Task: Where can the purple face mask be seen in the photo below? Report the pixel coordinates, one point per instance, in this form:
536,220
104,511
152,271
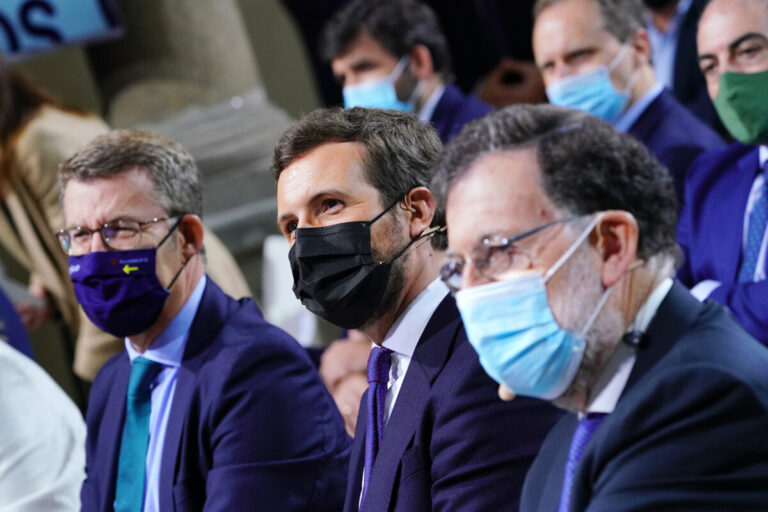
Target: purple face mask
119,290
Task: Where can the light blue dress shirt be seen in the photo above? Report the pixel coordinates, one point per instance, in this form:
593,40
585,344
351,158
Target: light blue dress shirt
627,118
167,349
664,44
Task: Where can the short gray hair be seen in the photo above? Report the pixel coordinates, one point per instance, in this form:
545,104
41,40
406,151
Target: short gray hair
586,166
171,168
622,18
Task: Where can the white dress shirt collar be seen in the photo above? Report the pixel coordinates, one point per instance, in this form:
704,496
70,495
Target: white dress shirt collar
404,334
763,156
614,377
168,348
426,112
629,117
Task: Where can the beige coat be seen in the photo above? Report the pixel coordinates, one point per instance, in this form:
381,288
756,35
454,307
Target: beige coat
32,215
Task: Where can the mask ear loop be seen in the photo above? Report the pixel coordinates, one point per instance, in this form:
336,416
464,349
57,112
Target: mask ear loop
615,62
567,254
173,228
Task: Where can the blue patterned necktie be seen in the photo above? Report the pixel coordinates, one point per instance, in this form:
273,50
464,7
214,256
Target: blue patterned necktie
758,221
379,362
131,466
584,431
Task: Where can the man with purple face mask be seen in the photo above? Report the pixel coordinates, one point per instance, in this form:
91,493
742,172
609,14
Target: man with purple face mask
209,406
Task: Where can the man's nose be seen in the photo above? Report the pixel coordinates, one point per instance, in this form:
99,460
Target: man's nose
97,242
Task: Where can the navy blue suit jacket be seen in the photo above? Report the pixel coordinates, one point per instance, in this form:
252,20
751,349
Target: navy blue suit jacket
450,444
454,110
251,426
711,228
688,432
674,136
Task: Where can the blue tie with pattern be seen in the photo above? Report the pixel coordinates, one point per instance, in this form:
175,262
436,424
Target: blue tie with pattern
758,221
131,466
584,430
379,362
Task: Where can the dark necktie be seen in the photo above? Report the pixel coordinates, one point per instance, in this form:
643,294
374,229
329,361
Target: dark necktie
131,466
379,362
584,430
758,221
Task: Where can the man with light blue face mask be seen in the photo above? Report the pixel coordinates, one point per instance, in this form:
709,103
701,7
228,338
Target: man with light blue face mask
392,54
561,252
594,55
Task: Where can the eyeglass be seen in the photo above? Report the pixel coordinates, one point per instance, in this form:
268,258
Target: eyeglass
119,235
492,257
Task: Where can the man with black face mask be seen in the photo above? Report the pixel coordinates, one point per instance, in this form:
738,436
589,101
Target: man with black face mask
209,406
367,244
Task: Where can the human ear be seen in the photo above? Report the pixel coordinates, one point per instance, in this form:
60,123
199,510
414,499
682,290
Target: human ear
191,229
421,206
642,46
421,63
615,238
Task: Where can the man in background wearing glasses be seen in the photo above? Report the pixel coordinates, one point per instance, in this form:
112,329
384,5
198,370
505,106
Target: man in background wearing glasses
562,245
209,406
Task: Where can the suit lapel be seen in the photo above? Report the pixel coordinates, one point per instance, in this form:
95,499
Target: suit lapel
357,459
431,354
208,321
729,201
673,319
112,429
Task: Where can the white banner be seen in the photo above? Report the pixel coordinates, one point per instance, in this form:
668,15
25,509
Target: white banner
34,26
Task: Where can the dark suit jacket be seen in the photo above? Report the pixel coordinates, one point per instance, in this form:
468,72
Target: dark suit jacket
688,85
450,444
454,110
674,136
688,432
251,426
711,228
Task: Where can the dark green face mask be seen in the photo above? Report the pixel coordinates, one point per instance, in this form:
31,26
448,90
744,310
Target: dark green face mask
742,104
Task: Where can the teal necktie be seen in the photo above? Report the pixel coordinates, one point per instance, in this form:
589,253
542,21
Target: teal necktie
131,466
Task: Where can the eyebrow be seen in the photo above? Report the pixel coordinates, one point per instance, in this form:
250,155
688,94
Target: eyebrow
328,192
735,44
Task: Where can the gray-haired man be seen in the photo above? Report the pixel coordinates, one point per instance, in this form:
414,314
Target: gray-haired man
562,244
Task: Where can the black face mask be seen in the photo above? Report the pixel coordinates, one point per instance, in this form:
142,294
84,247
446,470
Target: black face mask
335,275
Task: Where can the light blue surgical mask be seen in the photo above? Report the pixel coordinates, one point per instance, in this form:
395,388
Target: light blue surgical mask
518,341
380,93
593,92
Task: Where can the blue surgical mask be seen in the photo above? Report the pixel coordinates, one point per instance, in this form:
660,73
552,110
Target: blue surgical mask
379,93
518,341
593,92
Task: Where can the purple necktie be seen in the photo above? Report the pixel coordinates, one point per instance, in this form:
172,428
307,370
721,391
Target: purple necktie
584,430
379,362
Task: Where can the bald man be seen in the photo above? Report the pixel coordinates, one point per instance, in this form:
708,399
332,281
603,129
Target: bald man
722,230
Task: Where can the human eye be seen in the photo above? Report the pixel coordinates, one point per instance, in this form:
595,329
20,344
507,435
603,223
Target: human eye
79,233
331,206
750,51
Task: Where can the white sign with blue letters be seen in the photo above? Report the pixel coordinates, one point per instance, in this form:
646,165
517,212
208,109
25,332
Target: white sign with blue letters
34,26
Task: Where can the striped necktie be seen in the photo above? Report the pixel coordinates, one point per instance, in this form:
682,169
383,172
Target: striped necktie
131,466
584,431
379,362
758,221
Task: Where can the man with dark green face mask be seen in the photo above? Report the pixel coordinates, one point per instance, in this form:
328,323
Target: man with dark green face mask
723,229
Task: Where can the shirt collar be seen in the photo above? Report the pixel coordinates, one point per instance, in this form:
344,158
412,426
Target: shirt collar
404,334
168,348
683,6
614,377
763,156
627,118
426,112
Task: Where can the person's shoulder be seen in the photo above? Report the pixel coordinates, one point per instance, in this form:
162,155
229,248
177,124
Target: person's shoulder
715,164
679,126
247,342
54,129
